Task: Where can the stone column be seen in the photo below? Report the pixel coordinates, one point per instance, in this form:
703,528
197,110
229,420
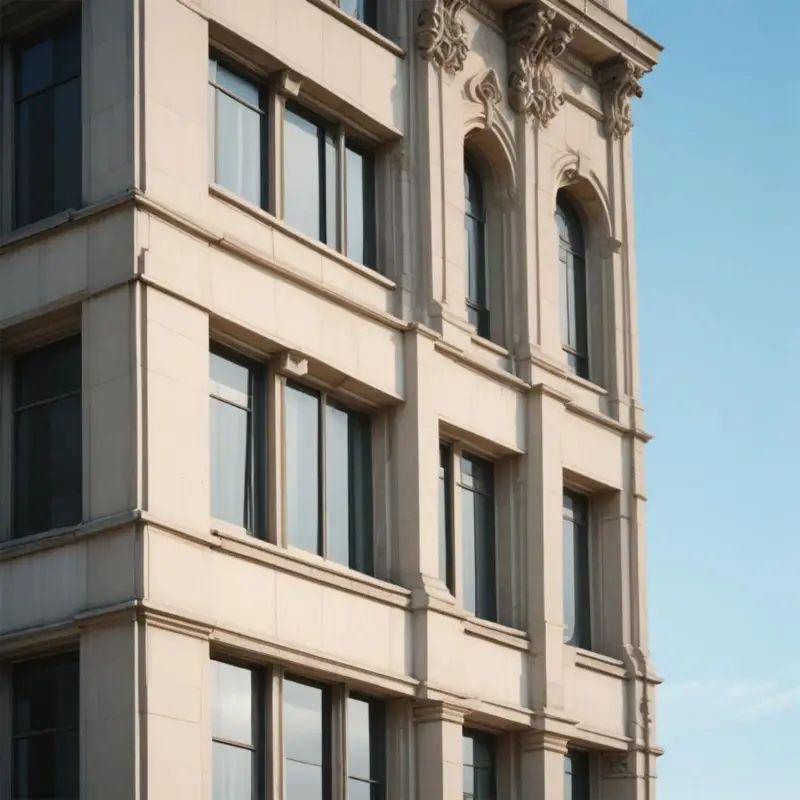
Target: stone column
439,767
542,767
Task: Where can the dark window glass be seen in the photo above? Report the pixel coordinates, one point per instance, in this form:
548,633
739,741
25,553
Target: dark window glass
475,229
235,448
576,776
572,276
445,517
479,766
577,628
365,749
306,715
45,743
47,438
48,133
238,134
313,178
235,728
336,467
477,537
365,10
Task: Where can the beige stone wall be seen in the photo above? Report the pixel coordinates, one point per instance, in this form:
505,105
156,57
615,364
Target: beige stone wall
159,261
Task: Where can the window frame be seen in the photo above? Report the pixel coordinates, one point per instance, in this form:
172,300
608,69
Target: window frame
478,306
582,563
343,141
584,759
489,741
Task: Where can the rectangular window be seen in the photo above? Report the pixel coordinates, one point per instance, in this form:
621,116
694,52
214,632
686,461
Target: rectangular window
328,475
477,537
479,765
236,729
364,10
446,517
306,737
45,728
576,776
47,438
321,165
48,143
238,134
237,440
577,617
366,750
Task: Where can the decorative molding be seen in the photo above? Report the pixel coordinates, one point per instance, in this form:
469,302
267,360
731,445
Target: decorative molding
619,80
442,36
533,741
537,35
484,89
287,84
439,711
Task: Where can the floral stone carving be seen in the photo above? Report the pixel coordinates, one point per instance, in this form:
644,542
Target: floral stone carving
484,88
536,37
620,82
442,36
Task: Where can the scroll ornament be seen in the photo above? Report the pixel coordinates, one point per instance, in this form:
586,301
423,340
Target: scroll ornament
484,89
442,36
535,42
620,82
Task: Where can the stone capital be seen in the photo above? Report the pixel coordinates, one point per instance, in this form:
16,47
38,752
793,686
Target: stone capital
537,35
442,36
543,740
619,80
439,711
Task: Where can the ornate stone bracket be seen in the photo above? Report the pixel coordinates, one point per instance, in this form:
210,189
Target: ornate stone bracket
619,80
484,88
537,35
442,36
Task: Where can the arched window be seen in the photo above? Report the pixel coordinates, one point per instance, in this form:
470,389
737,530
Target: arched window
475,228
572,278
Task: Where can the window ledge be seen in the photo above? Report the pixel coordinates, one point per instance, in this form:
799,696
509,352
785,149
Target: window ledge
495,632
329,8
597,662
586,384
488,344
215,190
308,565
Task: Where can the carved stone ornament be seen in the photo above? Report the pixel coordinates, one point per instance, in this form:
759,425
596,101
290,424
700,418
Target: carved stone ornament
537,36
620,82
484,88
442,36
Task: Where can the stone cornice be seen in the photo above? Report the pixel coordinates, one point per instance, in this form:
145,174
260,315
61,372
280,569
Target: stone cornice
536,35
442,36
619,81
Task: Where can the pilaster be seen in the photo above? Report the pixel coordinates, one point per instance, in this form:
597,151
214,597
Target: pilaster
542,765
439,767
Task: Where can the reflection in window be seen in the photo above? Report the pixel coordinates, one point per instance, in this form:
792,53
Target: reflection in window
47,119
477,537
576,776
364,10
479,765
314,180
446,517
572,279
47,438
328,479
45,728
234,729
234,449
306,712
576,571
475,230
237,134
365,749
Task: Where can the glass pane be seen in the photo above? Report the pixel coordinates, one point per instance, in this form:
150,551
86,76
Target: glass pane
48,372
331,193
67,170
569,582
360,207
468,779
468,555
47,766
35,68
233,772
302,722
34,158
241,87
231,464
46,695
362,790
563,280
485,597
444,516
359,764
232,702
337,489
302,469
67,52
238,139
483,753
303,781
230,380
360,446
483,785
301,190
467,750
47,466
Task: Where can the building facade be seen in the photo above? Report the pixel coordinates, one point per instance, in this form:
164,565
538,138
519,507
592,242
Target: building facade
321,449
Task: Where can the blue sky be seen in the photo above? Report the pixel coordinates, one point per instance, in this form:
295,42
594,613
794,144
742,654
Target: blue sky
717,193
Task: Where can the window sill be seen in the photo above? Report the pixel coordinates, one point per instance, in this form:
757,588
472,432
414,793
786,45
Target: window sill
264,216
329,8
488,344
585,383
308,565
495,632
597,662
